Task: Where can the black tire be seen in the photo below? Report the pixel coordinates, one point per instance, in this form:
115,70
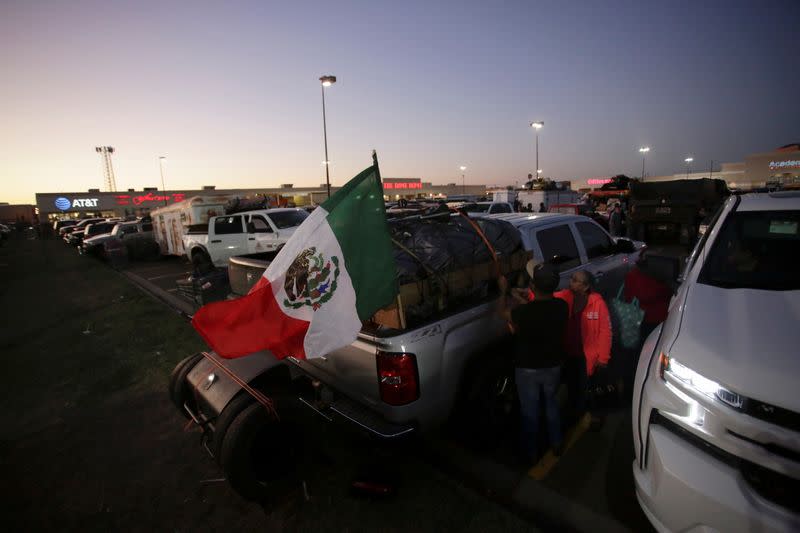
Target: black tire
202,263
179,389
229,413
489,407
257,452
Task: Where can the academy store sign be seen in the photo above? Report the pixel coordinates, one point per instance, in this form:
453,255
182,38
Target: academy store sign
65,204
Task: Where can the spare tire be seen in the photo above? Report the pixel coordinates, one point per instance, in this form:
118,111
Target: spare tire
258,451
179,389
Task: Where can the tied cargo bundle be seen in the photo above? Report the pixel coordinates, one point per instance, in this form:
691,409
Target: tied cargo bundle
425,298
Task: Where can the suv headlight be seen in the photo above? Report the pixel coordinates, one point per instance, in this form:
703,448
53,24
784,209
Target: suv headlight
684,376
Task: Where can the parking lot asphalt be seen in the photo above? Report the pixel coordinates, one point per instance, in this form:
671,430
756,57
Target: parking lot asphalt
90,440
591,485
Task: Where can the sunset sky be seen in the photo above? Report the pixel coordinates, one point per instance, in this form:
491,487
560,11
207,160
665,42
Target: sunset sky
229,91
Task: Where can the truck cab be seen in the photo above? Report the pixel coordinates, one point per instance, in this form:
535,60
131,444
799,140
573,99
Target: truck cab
249,232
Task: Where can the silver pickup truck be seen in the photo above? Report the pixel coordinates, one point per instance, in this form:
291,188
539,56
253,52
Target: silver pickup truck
389,382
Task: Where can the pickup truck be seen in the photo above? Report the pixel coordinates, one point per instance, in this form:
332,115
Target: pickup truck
391,382
126,232
248,232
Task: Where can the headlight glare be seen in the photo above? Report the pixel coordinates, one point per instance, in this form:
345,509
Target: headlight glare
690,379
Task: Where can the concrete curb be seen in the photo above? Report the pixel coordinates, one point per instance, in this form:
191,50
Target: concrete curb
516,490
178,304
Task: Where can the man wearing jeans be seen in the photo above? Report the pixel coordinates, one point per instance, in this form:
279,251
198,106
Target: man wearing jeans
540,329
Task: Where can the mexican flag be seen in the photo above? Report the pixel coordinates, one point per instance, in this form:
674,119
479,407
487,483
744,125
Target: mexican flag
335,271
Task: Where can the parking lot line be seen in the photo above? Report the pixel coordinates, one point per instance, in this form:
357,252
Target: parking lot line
171,275
549,460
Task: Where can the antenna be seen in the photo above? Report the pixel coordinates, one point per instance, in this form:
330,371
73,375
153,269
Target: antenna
108,170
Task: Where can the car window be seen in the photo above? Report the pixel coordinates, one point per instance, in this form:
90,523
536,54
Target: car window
595,240
128,229
501,208
755,250
260,225
228,225
288,219
701,243
558,247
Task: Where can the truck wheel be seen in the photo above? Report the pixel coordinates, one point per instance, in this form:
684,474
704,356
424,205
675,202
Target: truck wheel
229,413
202,263
490,404
257,452
179,389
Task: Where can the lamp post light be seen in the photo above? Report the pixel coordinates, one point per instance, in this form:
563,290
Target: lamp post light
643,150
688,161
161,159
537,125
463,180
326,81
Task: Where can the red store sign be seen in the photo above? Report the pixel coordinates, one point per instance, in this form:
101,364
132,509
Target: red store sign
402,185
127,199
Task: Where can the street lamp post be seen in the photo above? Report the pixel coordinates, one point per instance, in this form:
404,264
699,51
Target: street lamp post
688,161
463,180
326,81
539,124
161,159
643,150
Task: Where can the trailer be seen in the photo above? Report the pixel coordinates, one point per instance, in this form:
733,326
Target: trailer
171,222
550,197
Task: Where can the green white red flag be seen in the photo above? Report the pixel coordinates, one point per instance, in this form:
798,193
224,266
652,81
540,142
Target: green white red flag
336,270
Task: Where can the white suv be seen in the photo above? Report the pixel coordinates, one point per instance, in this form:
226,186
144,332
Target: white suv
716,408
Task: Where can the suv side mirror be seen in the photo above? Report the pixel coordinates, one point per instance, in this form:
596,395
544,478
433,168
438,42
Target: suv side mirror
625,246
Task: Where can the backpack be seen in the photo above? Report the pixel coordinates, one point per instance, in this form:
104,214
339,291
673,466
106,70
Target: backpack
627,319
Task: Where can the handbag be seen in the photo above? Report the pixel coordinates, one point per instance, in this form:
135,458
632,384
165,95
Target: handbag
628,318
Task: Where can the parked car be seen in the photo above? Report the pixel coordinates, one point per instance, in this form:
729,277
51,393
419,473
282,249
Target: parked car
91,230
716,412
392,381
242,233
58,224
574,242
67,231
580,209
489,208
123,231
5,231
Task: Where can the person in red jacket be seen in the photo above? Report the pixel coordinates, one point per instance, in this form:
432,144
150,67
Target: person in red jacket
588,339
654,295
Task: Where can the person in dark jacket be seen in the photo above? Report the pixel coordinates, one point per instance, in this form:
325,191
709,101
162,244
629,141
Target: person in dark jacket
615,221
540,329
542,208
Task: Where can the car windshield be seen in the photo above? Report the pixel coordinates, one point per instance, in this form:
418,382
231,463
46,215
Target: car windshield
476,208
756,250
97,229
288,219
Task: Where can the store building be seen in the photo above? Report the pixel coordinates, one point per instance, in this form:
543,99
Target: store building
19,213
59,205
778,168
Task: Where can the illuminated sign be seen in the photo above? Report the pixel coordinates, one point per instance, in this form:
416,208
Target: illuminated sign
127,199
778,165
64,203
598,181
402,185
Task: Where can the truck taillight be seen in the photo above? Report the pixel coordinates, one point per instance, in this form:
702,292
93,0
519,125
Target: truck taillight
397,377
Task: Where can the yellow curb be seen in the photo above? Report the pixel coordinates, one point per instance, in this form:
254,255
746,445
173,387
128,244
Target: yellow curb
541,469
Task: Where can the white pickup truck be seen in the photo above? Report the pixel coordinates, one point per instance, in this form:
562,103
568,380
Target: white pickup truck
249,232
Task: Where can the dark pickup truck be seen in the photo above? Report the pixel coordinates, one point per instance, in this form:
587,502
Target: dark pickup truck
671,212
